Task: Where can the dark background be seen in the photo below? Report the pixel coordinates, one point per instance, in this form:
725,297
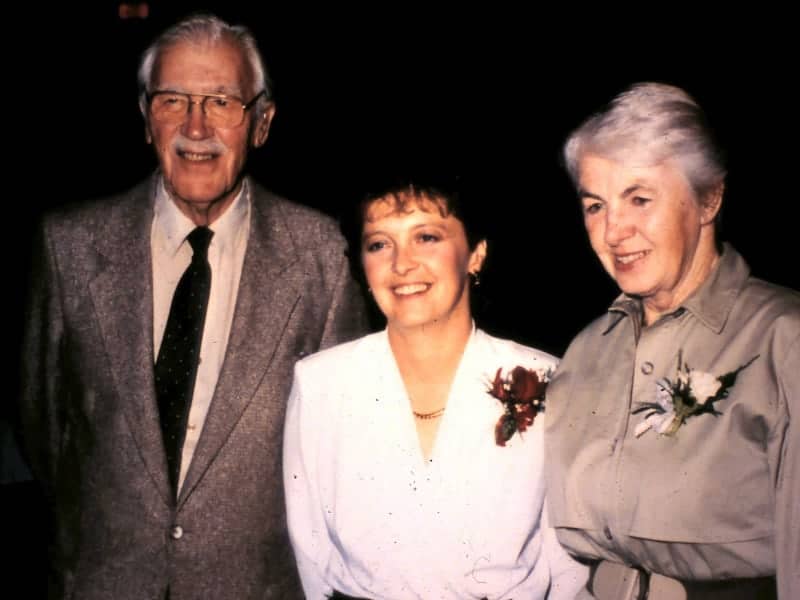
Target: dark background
490,93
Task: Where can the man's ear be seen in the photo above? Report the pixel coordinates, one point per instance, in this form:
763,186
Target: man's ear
143,109
262,124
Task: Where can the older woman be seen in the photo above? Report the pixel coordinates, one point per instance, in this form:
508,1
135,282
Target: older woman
673,427
413,458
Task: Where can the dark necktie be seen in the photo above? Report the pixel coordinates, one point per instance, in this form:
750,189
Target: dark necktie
176,365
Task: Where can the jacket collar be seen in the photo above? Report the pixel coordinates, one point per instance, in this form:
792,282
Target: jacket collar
711,303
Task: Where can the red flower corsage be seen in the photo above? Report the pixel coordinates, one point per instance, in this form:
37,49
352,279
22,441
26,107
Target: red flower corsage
522,394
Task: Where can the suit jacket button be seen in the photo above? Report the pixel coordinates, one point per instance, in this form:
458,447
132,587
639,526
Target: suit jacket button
176,532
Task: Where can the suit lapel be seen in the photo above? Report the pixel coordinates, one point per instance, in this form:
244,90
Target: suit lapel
265,301
123,299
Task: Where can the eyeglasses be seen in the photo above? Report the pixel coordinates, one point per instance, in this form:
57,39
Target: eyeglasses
220,110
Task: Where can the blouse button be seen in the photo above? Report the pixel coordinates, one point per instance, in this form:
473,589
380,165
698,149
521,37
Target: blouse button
176,532
647,367
607,533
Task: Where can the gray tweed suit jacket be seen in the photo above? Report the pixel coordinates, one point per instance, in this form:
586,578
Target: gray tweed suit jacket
90,419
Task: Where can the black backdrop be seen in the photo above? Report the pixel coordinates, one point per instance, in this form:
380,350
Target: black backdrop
490,92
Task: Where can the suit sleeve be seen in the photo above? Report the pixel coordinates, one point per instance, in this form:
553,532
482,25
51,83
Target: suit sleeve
347,316
304,504
41,365
787,493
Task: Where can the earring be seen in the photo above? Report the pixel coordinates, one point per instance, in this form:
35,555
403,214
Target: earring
476,278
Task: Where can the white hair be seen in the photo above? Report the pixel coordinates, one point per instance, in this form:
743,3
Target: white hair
209,29
650,123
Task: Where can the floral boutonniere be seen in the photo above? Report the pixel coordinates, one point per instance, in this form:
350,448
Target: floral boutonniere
522,394
692,393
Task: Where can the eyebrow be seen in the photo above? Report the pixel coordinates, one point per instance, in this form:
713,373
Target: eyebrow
365,234
219,91
635,188
583,193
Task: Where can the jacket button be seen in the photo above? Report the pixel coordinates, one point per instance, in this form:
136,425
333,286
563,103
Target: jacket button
647,367
176,532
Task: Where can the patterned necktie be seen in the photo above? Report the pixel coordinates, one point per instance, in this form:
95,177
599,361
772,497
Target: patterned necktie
176,365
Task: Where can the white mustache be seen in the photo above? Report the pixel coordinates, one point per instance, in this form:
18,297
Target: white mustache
211,146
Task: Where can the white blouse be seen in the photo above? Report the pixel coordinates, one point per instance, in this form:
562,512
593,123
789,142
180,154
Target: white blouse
370,517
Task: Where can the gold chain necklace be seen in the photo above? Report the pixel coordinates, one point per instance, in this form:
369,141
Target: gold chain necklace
430,415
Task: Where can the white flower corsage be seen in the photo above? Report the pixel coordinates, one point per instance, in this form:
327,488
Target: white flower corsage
692,393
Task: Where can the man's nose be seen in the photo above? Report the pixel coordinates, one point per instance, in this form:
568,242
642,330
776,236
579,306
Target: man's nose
195,126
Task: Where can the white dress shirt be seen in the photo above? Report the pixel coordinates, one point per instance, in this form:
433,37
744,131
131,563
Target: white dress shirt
370,517
171,256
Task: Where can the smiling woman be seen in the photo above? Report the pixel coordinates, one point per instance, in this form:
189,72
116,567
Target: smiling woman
652,234
416,259
672,425
391,457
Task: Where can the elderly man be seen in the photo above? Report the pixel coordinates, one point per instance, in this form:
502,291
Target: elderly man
162,331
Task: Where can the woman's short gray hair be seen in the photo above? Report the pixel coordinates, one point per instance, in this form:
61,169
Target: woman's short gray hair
209,29
650,123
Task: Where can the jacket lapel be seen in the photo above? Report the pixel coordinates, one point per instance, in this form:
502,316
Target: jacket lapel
265,301
123,299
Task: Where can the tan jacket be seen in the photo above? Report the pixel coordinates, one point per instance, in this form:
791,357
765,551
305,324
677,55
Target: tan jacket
720,498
